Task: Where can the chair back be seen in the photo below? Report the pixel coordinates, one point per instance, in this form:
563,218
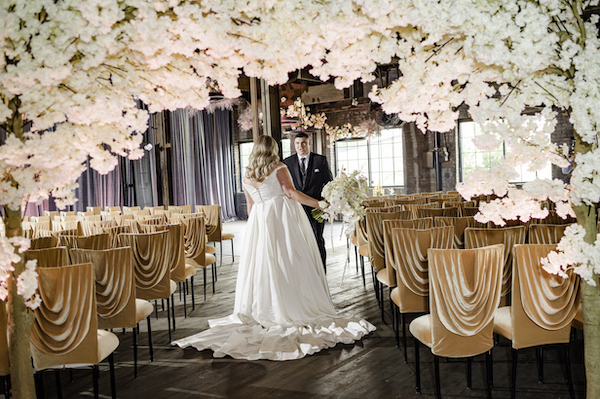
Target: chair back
213,221
115,285
374,222
94,209
459,224
553,218
414,208
437,212
65,327
509,236
96,241
410,261
44,242
546,233
48,257
176,249
543,305
464,292
113,234
194,236
421,223
151,263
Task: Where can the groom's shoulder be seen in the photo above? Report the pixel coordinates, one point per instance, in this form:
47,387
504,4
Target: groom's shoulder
288,159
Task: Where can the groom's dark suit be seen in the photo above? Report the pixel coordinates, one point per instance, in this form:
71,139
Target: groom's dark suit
318,175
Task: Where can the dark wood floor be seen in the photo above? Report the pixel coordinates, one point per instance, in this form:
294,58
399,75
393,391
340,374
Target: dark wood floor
371,368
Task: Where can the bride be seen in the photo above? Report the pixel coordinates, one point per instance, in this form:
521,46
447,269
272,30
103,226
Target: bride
282,309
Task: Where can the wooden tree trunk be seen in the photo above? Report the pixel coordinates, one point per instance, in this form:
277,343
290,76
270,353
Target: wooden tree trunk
20,318
586,217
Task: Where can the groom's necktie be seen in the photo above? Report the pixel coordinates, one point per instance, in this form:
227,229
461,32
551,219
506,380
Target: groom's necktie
303,169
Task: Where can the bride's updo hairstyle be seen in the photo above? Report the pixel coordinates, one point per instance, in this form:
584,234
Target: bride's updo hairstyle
264,154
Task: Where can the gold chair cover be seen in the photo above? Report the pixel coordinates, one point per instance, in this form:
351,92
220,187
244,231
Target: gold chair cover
89,228
176,249
96,241
65,327
437,212
130,209
113,234
459,224
44,242
374,222
152,228
151,262
181,209
48,257
194,239
213,221
509,236
465,290
409,247
112,209
94,209
546,233
553,218
115,285
421,223
415,207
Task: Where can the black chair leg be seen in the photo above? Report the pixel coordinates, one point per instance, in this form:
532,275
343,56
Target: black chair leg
397,322
135,350
404,337
113,387
95,373
192,287
569,376
214,275
173,310
436,363
169,319
382,302
58,386
204,270
184,305
362,266
392,307
232,253
539,352
417,366
150,340
514,373
469,373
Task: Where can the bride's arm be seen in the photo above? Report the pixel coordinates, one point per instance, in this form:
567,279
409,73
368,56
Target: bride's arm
285,179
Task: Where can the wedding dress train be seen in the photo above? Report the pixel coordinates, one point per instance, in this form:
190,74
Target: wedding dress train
283,309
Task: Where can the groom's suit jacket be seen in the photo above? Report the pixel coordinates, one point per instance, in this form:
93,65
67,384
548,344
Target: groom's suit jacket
318,174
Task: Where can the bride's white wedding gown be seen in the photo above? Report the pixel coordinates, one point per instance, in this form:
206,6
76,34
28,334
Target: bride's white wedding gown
282,309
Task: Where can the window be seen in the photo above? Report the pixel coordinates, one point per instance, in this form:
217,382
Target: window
379,158
471,157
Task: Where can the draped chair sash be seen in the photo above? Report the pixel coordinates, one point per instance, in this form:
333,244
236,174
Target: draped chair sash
67,313
465,287
414,208
152,228
115,284
509,236
420,223
150,258
44,242
374,221
549,301
89,228
389,250
546,233
410,246
96,241
113,234
180,209
213,221
459,224
176,249
437,212
194,235
48,257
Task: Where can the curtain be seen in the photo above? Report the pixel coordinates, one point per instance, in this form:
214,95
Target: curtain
202,160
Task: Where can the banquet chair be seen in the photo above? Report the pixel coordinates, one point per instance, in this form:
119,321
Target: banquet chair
459,224
509,236
48,257
65,332
195,248
44,242
464,291
116,304
409,263
374,222
180,270
130,209
437,212
542,308
180,209
152,268
112,209
546,233
96,241
94,209
553,218
414,208
421,223
214,229
469,211
113,234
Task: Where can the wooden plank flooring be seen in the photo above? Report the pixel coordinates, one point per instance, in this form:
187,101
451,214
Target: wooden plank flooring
371,368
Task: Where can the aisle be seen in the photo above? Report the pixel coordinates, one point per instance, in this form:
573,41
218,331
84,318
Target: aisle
372,368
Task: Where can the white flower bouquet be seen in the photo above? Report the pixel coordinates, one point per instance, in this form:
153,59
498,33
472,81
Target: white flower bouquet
344,194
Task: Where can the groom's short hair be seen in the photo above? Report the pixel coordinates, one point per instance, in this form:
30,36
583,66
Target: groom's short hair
301,135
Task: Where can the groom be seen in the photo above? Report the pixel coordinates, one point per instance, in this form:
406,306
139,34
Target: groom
310,173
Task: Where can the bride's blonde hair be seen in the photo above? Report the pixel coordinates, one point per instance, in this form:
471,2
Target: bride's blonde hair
264,154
